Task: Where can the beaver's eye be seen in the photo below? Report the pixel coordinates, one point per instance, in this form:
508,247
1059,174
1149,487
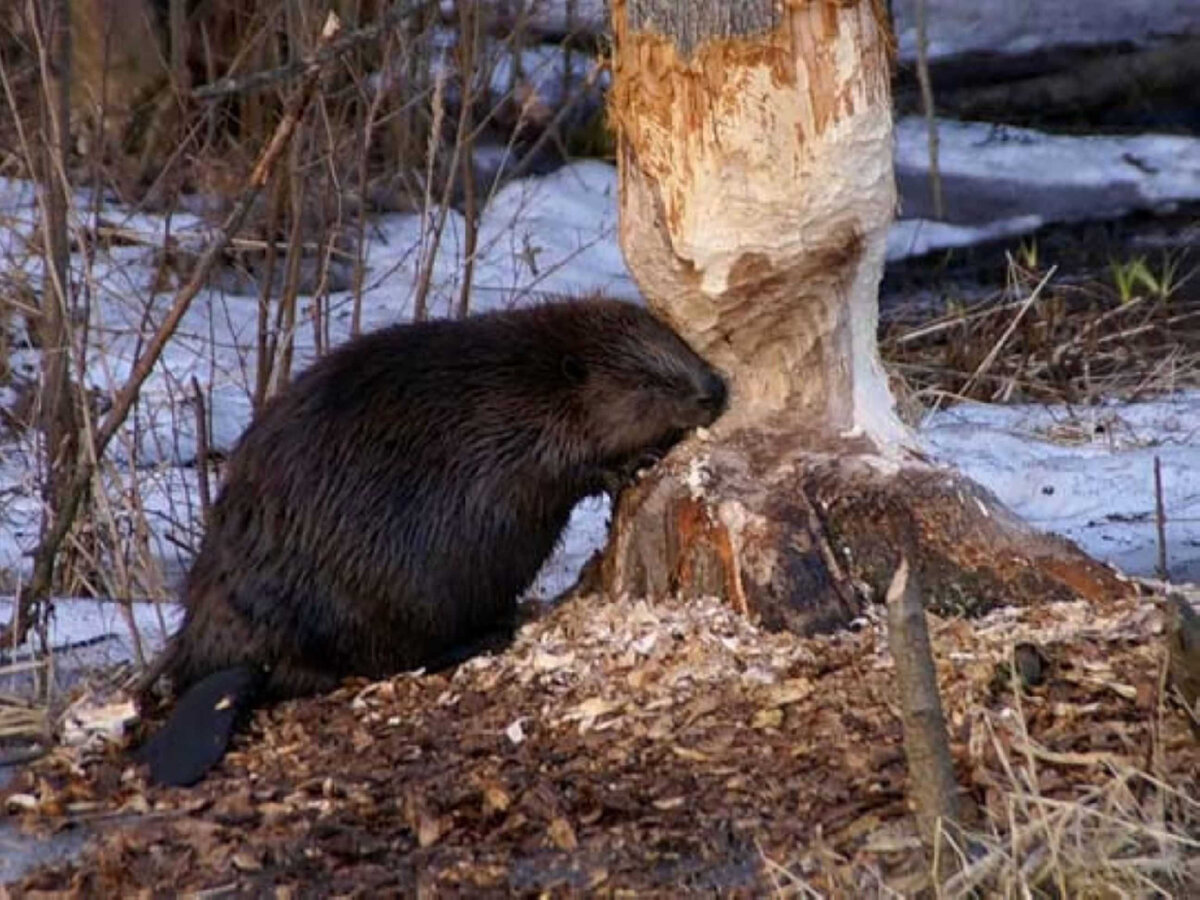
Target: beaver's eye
574,369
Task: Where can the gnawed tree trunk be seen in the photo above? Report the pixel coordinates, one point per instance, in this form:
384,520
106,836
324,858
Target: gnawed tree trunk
756,192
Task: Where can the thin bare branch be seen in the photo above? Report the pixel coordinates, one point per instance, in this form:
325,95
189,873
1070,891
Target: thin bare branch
40,584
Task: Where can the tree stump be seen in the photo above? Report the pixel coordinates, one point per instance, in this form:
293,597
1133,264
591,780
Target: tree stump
799,534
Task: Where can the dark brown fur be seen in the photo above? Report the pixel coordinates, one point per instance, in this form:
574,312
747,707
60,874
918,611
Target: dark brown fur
390,506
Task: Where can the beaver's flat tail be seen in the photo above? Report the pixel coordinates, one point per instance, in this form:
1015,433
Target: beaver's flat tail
197,733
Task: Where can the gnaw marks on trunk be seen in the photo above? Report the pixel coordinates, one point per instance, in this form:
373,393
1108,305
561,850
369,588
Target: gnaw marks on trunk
800,532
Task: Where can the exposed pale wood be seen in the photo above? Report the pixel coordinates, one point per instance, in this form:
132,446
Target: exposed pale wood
756,191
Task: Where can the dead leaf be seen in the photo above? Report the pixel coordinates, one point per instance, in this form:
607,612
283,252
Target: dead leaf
23,802
593,708
561,834
549,662
429,830
788,692
246,862
514,732
495,799
767,718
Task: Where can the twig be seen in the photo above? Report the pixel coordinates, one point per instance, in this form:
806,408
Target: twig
366,134
326,51
284,335
469,18
266,338
201,450
431,239
935,175
999,345
1160,520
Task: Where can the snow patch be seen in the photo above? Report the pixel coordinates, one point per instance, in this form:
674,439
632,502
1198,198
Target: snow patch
1088,474
1019,26
1000,174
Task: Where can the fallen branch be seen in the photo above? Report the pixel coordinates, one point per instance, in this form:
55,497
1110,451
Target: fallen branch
38,587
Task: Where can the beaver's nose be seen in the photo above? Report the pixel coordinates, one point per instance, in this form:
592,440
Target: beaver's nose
714,393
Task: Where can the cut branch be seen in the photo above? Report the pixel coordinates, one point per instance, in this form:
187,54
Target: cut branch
932,788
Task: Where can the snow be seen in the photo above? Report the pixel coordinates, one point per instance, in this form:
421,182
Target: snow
1088,473
1001,181
1019,26
996,172
557,233
916,237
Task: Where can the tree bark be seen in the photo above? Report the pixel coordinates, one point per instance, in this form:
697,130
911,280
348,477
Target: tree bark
58,419
756,190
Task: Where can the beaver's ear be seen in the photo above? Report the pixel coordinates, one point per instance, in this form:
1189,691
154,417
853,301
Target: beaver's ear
574,369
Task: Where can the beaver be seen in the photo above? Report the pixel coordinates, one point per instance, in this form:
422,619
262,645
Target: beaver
387,509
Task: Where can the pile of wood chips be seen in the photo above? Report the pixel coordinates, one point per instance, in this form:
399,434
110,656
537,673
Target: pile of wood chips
622,746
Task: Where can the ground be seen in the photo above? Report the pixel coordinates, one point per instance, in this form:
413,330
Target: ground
620,746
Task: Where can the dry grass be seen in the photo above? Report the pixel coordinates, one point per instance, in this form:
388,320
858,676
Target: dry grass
1084,786
1130,833
1046,339
395,125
